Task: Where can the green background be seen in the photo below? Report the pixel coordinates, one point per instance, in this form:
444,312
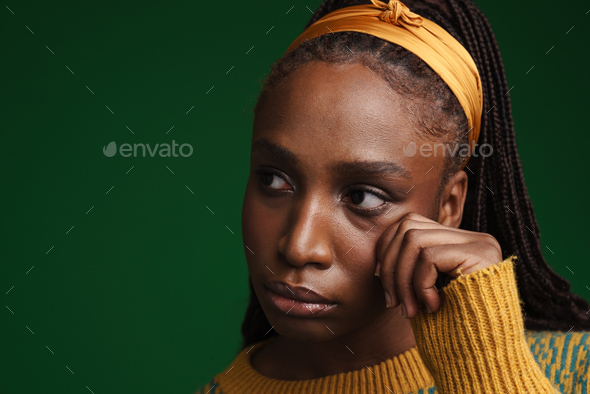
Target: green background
146,293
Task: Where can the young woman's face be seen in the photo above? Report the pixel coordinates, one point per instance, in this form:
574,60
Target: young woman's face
328,175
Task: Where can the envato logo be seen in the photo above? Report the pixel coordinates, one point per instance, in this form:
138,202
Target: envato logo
461,150
127,150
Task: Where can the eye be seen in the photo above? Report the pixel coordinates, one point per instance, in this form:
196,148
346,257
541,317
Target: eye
364,199
367,198
271,179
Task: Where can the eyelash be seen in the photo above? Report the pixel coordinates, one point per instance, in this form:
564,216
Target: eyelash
376,210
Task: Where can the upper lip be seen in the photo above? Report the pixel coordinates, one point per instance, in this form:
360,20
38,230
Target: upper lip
298,293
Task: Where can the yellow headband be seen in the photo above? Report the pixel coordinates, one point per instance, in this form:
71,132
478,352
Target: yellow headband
394,22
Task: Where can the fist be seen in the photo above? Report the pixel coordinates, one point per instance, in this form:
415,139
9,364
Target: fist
412,252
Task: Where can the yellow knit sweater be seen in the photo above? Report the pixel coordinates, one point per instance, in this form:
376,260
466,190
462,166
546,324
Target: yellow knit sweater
476,343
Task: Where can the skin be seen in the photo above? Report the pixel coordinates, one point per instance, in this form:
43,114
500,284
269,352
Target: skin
309,225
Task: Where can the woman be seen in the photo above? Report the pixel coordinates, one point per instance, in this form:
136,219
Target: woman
378,261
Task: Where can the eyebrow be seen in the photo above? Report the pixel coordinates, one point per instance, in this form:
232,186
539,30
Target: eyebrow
350,168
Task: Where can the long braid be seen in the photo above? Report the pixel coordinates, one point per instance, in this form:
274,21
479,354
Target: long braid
548,301
497,198
538,281
549,304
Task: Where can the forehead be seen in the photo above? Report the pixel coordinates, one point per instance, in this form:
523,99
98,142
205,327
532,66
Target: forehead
329,112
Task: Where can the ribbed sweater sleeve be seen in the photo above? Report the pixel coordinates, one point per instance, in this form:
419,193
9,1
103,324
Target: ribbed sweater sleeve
475,343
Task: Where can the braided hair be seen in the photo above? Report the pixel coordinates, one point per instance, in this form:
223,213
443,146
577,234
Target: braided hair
497,199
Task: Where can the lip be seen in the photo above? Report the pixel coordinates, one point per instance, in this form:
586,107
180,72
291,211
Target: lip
297,300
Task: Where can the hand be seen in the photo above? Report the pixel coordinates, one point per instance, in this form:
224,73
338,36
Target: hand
412,251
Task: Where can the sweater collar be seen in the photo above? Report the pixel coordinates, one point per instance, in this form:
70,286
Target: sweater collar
404,373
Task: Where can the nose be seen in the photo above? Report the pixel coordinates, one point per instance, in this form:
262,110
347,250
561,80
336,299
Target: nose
309,233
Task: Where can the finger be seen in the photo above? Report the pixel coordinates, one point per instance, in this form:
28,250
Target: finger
388,257
413,241
417,222
391,251
390,244
448,258
425,277
405,285
388,235
382,243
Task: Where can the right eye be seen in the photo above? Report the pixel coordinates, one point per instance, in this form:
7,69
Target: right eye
271,179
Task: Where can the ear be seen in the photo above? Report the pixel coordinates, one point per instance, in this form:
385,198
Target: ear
450,210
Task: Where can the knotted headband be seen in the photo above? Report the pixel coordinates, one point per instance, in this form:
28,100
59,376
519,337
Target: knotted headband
394,22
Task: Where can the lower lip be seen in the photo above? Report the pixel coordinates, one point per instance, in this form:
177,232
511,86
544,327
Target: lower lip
292,307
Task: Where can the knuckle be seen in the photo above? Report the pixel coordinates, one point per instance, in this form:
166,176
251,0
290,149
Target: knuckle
490,238
386,270
411,215
422,294
404,290
495,242
492,246
494,256
403,283
405,225
427,254
412,235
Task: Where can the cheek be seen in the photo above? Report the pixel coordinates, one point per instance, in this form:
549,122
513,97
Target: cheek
364,291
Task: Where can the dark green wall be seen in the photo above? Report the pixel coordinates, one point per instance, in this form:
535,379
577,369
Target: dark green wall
145,294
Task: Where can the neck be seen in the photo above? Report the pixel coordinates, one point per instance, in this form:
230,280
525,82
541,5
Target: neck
286,359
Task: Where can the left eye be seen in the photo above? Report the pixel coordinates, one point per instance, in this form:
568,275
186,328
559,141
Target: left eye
371,200
362,197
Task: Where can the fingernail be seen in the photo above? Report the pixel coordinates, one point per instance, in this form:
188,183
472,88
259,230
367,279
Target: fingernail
378,269
404,312
387,300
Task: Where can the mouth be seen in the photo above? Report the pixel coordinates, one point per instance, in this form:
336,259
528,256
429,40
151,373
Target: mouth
297,301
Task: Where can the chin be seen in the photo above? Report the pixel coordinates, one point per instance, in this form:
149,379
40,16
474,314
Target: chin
304,331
